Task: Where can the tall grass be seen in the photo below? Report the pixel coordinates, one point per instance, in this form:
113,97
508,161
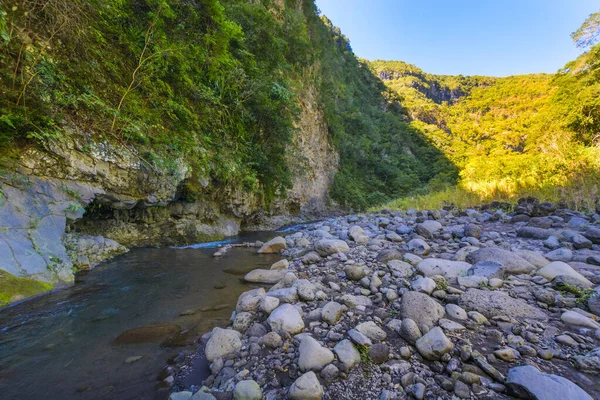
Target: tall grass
581,193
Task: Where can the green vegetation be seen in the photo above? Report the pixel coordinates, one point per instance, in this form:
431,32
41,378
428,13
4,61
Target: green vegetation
14,289
530,135
211,82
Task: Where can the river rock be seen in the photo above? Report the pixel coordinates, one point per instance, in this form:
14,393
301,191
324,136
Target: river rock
424,285
347,353
409,331
529,382
372,331
589,363
495,303
306,289
434,344
355,272
400,269
286,317
422,309
274,245
428,228
271,340
561,254
593,234
354,301
268,304
418,246
327,247
536,259
332,312
222,342
250,300
307,387
247,390
265,276
281,264
313,356
576,319
557,268
455,312
358,234
512,263
243,321
488,269
147,334
445,268
285,295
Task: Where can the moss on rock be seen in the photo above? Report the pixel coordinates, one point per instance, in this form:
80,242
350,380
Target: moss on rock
13,288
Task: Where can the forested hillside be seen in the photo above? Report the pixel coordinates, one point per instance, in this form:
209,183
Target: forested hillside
215,84
513,136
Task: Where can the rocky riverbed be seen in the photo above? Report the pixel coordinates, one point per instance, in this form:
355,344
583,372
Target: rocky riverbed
480,304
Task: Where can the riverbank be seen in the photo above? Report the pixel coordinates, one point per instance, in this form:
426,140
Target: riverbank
433,304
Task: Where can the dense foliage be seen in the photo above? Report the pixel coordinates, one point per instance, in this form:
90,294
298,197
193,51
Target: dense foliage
213,82
530,134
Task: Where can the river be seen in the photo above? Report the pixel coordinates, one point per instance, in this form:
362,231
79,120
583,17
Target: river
64,345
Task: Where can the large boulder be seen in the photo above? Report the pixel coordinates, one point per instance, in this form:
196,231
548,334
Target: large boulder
559,268
313,356
512,263
287,318
327,247
434,344
274,245
445,268
529,383
422,309
269,276
222,342
495,303
307,387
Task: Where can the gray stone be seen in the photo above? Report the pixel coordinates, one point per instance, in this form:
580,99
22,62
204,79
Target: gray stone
247,390
313,356
424,285
418,246
287,318
265,276
327,247
422,309
372,331
557,268
250,300
512,263
347,353
528,382
355,272
488,269
445,268
274,245
400,269
306,387
434,344
332,312
222,342
495,303
409,331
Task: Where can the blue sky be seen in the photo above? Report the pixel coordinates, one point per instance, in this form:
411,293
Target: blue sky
469,37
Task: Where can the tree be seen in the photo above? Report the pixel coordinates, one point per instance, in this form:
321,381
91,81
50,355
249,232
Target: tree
589,32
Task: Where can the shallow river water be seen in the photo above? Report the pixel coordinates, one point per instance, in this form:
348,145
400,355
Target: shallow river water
62,345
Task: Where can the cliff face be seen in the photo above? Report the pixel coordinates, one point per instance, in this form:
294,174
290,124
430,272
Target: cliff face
82,190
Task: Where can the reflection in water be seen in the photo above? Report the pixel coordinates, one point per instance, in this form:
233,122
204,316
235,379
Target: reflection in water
62,345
